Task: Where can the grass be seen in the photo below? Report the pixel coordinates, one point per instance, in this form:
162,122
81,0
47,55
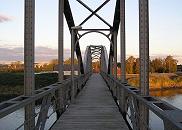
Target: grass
158,81
12,84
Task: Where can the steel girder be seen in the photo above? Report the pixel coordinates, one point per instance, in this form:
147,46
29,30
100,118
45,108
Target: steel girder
70,22
115,28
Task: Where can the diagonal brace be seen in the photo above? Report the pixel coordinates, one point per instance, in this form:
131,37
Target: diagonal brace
94,12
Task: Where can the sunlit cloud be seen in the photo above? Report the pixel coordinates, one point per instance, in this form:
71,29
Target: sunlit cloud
4,18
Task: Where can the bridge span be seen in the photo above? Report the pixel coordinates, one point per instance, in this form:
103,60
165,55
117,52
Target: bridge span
91,101
94,109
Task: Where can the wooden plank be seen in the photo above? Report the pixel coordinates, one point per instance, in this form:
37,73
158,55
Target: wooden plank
94,109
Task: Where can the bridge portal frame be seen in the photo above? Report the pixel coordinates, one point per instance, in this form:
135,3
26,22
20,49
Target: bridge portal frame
75,32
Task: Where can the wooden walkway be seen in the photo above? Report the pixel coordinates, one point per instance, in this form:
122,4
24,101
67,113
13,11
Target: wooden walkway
94,109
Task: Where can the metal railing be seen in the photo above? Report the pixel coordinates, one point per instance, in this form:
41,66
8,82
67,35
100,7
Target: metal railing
129,99
47,98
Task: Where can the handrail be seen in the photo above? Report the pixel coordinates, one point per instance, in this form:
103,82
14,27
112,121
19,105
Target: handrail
9,106
171,116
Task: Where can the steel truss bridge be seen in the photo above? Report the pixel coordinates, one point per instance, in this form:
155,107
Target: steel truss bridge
91,101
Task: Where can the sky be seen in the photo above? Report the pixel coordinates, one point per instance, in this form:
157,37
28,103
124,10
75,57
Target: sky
165,28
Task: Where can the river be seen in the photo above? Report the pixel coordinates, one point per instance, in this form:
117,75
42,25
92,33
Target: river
173,97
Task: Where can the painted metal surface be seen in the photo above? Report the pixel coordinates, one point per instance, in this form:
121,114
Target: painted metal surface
29,79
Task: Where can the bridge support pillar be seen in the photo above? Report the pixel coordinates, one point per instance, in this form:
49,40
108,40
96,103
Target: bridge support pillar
122,55
60,107
29,80
72,65
144,60
115,53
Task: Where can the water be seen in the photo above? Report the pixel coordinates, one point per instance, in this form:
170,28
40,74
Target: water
15,119
173,97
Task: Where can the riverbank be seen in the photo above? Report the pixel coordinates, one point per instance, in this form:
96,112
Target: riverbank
158,81
12,84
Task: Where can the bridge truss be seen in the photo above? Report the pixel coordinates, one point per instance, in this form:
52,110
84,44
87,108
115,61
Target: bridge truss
61,94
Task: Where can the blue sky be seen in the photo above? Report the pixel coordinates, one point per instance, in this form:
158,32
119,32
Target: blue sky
165,25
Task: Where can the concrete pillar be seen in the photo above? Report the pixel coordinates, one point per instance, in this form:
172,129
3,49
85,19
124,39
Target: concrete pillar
29,80
122,55
144,58
60,92
115,54
72,65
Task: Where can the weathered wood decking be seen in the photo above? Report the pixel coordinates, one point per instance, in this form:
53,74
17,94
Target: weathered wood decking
94,109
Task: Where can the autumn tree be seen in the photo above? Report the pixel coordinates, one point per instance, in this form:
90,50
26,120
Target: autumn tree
68,61
130,65
157,65
136,67
170,64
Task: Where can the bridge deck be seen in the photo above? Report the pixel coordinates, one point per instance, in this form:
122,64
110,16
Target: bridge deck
94,109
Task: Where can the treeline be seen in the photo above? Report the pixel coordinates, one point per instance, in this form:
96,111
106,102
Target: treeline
157,65
18,66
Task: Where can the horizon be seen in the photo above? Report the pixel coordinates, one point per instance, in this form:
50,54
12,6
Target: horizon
50,53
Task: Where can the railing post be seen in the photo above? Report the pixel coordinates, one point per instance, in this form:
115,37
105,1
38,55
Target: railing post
29,80
60,106
144,60
122,56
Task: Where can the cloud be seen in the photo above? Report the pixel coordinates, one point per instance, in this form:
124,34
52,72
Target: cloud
42,54
4,18
45,54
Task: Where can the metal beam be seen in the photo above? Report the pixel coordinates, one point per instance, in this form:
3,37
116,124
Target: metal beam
122,41
29,79
122,55
95,14
72,66
116,16
144,59
70,22
115,28
115,54
99,29
60,104
110,59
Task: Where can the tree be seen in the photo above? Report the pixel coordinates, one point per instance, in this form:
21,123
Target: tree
157,65
54,62
136,67
170,64
16,66
130,65
68,61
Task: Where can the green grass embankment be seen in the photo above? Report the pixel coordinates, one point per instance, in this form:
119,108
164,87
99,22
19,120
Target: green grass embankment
12,84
